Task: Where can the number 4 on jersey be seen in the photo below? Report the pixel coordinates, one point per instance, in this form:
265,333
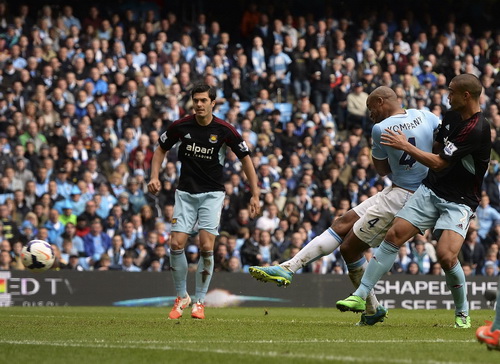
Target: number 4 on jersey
406,159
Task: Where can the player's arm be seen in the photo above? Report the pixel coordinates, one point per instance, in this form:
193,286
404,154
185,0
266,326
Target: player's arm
154,184
398,141
382,166
437,147
165,143
249,170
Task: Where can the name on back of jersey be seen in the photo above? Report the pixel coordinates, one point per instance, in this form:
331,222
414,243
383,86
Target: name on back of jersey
406,126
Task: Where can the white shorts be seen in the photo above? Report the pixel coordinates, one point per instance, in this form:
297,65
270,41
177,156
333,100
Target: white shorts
377,213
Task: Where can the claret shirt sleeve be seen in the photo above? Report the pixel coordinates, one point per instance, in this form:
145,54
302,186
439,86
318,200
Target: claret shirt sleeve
236,143
169,137
458,145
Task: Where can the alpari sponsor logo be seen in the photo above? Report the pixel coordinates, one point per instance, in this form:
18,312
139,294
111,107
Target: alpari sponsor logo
199,152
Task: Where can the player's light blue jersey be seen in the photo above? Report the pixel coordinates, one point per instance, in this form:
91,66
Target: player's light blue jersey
418,126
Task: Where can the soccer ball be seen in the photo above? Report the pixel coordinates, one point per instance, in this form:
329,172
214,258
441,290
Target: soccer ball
37,256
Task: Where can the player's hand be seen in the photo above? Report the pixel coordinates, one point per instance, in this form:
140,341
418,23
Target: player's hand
154,186
254,206
394,140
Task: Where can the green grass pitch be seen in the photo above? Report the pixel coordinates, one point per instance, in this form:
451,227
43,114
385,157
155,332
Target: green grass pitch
235,335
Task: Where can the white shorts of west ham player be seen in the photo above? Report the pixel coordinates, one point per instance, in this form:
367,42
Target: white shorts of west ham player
377,213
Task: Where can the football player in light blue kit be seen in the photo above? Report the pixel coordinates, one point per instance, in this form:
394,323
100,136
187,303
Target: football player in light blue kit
365,225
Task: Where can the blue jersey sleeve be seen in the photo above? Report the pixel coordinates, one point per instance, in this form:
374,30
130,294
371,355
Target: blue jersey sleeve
433,120
378,151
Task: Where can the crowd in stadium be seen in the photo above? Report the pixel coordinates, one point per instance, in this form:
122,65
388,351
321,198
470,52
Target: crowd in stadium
85,97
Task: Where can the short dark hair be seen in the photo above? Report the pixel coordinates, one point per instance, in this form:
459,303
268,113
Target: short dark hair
470,83
203,87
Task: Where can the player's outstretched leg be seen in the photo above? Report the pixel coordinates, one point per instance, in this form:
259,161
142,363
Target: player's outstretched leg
276,274
282,274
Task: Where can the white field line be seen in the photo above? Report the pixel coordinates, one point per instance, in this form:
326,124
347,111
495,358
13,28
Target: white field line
148,345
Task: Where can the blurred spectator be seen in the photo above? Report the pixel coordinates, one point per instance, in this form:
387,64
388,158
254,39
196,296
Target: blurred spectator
413,269
436,269
96,242
74,263
128,263
493,190
473,251
488,217
421,257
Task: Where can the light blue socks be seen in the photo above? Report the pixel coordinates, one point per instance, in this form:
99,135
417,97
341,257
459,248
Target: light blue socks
455,280
204,274
380,264
179,266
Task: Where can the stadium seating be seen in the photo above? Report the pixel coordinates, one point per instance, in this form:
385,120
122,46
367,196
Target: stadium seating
221,110
244,106
286,109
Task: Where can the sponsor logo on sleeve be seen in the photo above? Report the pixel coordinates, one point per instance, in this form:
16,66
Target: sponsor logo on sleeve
449,148
243,147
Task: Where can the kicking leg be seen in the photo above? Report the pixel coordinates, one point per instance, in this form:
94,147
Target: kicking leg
320,246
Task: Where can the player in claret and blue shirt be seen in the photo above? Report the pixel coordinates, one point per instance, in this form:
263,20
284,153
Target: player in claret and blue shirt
200,194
